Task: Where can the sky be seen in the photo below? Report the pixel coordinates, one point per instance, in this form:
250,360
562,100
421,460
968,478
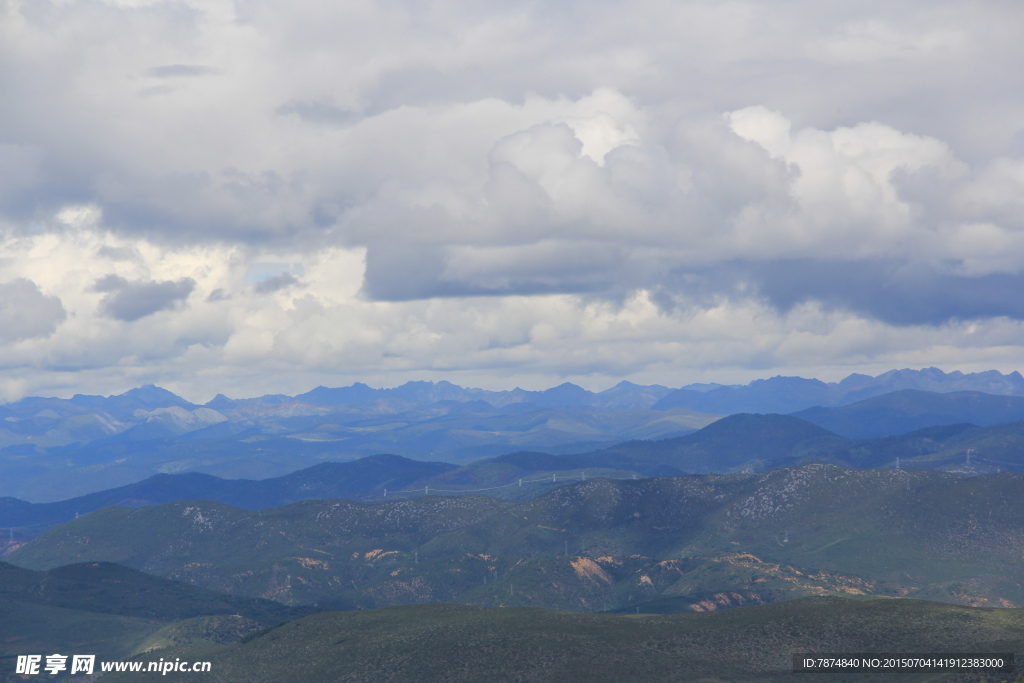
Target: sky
263,196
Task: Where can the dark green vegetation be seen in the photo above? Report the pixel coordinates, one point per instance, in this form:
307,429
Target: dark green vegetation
711,541
112,589
113,611
364,479
27,628
446,643
909,410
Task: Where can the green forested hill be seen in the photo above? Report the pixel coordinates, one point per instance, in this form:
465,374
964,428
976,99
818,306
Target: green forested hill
593,545
30,628
450,643
113,611
103,587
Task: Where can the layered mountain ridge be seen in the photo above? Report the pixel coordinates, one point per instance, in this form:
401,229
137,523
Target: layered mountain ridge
737,443
55,449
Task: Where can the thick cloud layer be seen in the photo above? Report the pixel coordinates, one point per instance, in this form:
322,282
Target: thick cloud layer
26,313
130,301
265,195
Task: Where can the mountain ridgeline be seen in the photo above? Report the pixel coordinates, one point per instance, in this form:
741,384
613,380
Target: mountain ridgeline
54,449
352,479
792,394
738,443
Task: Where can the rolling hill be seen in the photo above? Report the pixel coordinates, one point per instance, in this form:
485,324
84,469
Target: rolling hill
593,545
114,612
326,480
737,442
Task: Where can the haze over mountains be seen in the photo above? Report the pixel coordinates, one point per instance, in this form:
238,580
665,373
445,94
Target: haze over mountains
790,394
909,410
150,412
54,449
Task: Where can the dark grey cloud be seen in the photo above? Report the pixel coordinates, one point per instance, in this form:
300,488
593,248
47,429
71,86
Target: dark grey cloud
895,292
129,301
181,71
119,253
276,283
26,313
404,272
320,113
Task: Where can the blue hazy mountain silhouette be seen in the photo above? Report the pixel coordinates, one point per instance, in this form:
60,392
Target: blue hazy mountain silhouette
53,449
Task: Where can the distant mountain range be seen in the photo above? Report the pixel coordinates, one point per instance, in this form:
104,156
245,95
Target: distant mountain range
792,394
55,449
150,412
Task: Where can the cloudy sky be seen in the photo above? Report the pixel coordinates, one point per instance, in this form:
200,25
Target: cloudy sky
265,195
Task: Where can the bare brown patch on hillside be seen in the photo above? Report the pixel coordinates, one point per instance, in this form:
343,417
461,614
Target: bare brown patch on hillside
588,569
